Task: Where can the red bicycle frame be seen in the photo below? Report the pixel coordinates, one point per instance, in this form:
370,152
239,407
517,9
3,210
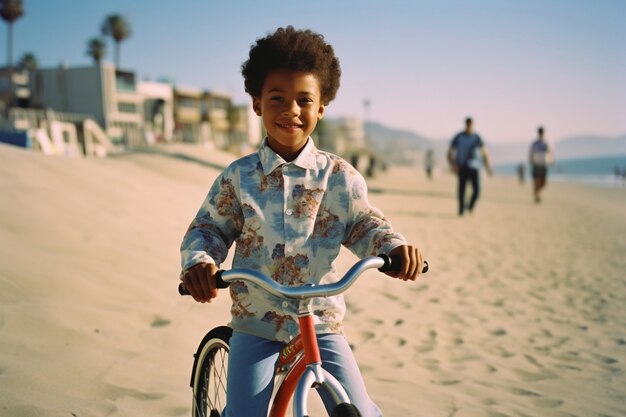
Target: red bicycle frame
299,353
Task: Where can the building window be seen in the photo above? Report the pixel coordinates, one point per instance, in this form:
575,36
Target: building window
188,103
123,107
220,103
124,81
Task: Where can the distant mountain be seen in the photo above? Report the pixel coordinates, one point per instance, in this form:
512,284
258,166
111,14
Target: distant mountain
382,137
590,145
397,145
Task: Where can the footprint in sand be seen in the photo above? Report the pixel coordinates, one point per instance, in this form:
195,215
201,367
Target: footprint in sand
420,288
430,364
367,336
471,365
498,332
547,403
526,376
498,303
400,341
461,292
353,309
375,321
501,352
522,392
159,321
569,367
445,381
570,356
397,299
533,361
606,360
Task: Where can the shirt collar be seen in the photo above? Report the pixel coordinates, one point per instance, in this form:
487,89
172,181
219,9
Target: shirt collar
270,160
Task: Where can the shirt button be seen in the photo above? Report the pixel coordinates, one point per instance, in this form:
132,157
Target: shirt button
289,212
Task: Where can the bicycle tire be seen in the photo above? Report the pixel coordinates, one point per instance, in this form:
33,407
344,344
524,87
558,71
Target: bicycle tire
210,373
346,410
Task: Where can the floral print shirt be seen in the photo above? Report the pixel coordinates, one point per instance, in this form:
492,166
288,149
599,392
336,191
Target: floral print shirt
288,221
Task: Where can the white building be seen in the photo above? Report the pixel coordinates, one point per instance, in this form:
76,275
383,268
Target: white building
133,113
108,94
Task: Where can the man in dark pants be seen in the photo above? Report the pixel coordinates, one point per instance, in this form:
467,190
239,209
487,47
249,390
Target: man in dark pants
464,161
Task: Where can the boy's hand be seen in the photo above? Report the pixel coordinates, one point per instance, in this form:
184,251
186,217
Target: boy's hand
411,262
200,282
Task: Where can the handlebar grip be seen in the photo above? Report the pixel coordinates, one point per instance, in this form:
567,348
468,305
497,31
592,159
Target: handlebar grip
394,264
219,283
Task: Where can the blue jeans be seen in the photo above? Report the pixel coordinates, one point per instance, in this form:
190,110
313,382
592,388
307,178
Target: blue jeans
251,364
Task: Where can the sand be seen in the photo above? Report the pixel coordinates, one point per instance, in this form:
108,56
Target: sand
522,314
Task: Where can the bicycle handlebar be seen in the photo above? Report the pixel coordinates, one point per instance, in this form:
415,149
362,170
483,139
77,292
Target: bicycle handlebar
382,262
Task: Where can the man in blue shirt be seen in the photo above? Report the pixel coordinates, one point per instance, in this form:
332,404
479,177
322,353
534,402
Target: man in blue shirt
464,161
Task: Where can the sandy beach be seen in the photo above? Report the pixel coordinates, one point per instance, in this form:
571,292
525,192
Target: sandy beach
522,314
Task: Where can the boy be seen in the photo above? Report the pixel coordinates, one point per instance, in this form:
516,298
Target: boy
289,207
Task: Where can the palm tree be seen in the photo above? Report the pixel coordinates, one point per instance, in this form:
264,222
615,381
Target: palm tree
96,48
28,61
10,11
116,26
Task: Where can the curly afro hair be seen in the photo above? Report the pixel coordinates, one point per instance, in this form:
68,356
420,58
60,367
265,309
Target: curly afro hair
295,50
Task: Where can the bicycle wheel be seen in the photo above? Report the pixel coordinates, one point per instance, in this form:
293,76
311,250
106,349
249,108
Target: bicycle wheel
210,371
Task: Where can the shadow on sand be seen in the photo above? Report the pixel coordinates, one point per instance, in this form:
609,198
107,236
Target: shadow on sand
175,155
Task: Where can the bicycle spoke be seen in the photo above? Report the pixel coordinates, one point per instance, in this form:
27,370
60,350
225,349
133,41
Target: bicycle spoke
216,382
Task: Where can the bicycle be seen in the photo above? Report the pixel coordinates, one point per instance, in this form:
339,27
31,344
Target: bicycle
299,366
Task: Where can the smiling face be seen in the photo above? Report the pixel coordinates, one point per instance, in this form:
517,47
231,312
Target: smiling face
290,105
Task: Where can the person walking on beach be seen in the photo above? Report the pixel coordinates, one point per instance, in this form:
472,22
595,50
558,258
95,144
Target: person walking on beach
540,157
521,173
289,207
463,156
429,163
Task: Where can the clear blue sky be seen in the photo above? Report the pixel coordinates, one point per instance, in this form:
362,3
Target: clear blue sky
423,64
